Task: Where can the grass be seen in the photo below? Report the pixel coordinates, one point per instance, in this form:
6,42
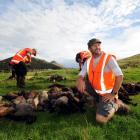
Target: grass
51,126
132,74
133,61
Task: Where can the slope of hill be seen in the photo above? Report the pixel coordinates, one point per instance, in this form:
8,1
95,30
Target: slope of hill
133,61
56,64
36,64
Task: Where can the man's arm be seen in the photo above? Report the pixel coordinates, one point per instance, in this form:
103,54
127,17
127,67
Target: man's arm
117,85
80,83
29,57
118,74
113,66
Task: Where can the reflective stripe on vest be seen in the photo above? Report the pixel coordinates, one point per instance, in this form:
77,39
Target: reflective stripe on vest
88,62
103,88
101,81
15,61
103,92
21,56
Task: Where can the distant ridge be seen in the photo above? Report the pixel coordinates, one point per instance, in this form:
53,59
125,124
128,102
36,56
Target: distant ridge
56,64
36,64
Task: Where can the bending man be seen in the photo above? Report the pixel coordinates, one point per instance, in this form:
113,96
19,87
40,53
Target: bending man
18,64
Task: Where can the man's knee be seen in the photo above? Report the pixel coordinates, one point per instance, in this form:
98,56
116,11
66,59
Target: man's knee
104,119
101,119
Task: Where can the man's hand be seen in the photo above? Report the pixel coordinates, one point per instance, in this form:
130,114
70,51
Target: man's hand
80,84
107,97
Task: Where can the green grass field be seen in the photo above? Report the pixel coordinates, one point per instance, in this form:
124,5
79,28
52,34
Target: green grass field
51,126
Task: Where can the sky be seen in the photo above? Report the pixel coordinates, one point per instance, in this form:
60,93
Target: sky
59,29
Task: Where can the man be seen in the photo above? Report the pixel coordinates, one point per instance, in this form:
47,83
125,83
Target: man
104,80
81,57
18,64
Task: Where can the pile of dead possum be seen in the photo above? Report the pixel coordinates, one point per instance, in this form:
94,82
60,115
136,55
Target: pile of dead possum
23,106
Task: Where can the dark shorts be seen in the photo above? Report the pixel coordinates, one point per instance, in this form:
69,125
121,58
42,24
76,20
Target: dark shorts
105,108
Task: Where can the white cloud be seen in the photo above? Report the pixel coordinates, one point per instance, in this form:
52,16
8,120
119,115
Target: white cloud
127,44
59,31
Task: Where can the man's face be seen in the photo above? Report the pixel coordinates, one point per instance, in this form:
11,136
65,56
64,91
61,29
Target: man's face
95,49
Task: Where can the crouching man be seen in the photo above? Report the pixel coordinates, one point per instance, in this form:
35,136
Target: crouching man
104,80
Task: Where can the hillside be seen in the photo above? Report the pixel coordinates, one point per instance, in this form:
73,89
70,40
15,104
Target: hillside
36,64
133,61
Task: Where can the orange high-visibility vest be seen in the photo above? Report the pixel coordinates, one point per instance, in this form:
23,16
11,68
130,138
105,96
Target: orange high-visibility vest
22,56
100,80
85,55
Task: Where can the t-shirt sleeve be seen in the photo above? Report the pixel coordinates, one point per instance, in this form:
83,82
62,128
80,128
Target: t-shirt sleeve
113,65
28,54
83,72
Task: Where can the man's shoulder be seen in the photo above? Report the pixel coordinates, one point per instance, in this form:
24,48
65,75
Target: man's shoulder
113,62
109,55
28,50
112,58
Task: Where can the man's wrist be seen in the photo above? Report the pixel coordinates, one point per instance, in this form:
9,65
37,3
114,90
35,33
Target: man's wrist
114,93
81,78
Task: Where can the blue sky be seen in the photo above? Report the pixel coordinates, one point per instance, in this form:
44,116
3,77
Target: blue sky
59,29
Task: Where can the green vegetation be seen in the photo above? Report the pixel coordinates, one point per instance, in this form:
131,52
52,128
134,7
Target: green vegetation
131,68
130,62
51,126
